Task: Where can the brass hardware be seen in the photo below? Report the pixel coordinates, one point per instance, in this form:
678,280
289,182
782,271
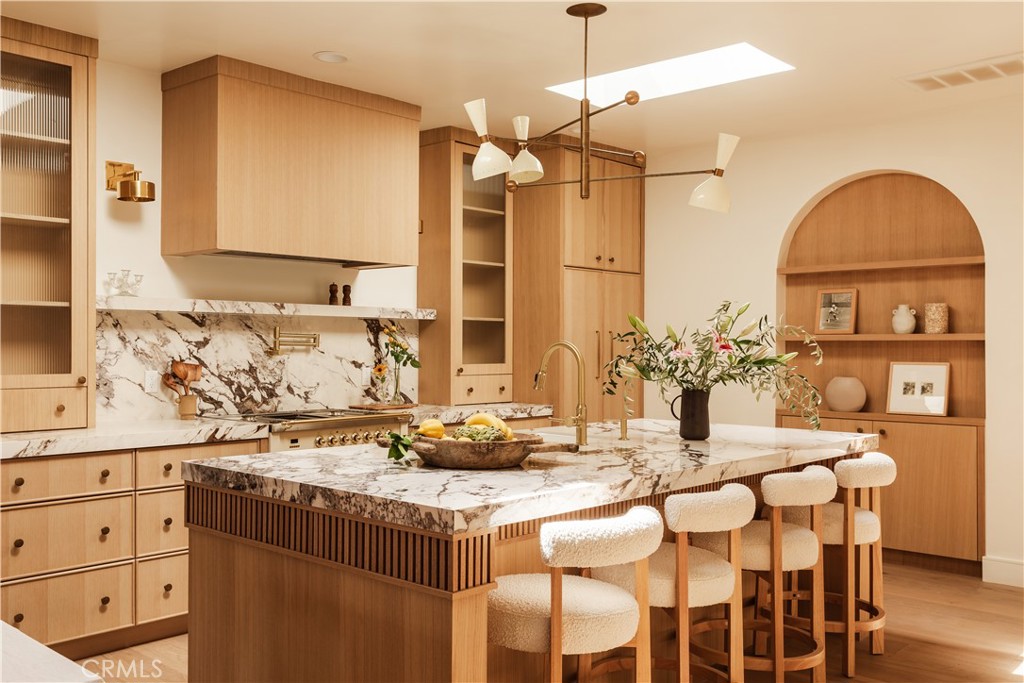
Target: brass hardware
597,374
18,618
168,587
344,439
105,600
19,542
318,441
294,339
124,179
19,482
60,408
332,440
579,420
629,374
168,521
105,531
81,380
104,474
168,467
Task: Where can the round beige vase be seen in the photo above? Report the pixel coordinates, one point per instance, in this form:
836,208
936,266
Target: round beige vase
187,407
845,394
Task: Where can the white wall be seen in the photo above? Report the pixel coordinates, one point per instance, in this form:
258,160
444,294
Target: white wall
696,258
128,112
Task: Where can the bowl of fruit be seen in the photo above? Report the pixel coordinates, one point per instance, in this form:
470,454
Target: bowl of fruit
484,442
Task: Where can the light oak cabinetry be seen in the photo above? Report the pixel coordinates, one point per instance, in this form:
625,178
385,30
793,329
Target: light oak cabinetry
47,289
903,239
95,543
465,273
578,272
262,162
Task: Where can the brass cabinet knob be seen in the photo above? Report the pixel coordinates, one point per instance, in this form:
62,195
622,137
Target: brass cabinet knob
881,432
611,259
104,474
168,587
19,481
81,380
105,600
18,542
597,258
168,467
105,531
18,618
60,408
168,521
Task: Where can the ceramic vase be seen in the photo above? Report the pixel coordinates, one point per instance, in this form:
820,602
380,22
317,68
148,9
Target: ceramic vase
903,320
188,407
845,394
694,422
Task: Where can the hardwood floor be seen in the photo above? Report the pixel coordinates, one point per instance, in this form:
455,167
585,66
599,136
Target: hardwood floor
941,628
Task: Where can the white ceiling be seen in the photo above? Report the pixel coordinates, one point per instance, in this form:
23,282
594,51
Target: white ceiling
849,57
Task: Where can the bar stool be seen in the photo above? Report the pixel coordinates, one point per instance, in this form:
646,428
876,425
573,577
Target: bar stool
704,578
850,526
770,548
563,614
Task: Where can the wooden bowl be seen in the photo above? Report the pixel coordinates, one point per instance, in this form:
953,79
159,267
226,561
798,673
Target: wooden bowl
483,455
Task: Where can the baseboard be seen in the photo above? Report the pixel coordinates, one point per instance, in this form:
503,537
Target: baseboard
102,643
1002,570
950,565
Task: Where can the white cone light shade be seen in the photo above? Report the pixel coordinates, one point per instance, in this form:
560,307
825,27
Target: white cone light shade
526,168
521,125
712,194
490,161
726,146
477,110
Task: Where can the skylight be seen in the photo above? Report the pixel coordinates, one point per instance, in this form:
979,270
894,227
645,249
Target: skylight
677,75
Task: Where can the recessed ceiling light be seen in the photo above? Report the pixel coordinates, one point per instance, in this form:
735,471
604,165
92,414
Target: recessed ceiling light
330,57
677,75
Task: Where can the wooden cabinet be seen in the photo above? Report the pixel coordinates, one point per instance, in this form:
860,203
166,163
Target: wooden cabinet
161,587
47,293
160,522
903,239
261,162
26,480
465,273
564,291
161,467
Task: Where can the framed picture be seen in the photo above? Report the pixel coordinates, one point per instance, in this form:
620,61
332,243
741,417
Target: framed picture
918,388
837,311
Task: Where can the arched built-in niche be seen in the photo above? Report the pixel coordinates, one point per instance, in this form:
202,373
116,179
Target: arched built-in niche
899,238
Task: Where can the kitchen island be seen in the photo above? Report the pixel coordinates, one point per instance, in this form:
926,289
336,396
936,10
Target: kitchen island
337,564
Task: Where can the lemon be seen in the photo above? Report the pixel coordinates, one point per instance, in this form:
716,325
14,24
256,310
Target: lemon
431,428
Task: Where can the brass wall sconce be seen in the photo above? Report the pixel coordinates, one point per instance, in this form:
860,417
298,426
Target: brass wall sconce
310,340
124,179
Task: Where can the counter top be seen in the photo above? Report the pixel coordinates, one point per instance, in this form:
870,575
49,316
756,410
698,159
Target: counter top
455,414
361,481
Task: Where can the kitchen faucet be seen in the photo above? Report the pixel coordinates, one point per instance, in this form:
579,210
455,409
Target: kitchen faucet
579,420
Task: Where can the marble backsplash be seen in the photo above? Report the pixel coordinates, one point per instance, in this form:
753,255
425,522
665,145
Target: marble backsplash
239,372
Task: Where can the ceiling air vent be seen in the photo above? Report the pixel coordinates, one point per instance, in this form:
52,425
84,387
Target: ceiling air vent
985,70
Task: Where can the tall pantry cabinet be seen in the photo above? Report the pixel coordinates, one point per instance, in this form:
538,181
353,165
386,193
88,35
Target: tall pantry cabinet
578,273
47,244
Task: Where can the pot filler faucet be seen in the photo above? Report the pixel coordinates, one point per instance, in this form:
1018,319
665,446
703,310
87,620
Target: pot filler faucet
579,420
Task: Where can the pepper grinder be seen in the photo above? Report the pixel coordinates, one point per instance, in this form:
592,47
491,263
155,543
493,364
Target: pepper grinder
346,295
333,289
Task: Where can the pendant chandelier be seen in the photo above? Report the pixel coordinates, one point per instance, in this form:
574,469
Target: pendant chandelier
526,170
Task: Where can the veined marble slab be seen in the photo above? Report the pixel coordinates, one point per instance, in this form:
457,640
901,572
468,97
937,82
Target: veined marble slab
361,481
455,414
138,303
114,436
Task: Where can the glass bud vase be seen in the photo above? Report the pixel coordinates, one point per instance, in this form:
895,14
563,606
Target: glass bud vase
394,393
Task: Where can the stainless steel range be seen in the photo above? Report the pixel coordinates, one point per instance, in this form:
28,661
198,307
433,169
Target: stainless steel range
327,427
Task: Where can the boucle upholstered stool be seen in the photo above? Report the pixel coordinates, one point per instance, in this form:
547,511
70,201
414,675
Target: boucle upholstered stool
704,578
772,547
852,527
561,614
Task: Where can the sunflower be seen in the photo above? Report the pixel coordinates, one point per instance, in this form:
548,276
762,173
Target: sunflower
380,369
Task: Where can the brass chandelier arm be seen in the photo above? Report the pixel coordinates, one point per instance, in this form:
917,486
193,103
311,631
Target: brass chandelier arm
512,185
631,98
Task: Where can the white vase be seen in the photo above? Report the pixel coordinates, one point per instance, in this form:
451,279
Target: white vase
903,320
845,394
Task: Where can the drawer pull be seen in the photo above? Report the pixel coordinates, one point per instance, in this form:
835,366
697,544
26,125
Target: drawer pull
19,542
167,588
597,258
611,259
881,432
81,380
105,531
19,482
469,390
167,521
501,389
60,408
458,371
168,467
860,430
104,474
18,618
105,600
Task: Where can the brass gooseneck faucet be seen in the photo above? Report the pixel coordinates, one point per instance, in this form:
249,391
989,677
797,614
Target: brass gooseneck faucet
579,420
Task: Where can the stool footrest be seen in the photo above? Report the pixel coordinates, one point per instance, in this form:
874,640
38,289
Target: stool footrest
873,622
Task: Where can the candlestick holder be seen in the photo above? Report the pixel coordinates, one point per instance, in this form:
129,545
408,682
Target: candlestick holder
124,283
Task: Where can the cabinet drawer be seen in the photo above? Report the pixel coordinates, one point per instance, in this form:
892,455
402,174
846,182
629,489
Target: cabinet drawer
156,467
26,410
72,605
46,538
160,522
482,389
161,588
30,479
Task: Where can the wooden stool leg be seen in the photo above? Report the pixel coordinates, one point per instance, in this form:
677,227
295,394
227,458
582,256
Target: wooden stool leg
643,631
818,595
777,615
849,589
760,601
877,597
683,606
555,648
583,667
736,611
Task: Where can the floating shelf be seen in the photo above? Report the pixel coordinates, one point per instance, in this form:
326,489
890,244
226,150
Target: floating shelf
484,264
135,303
948,337
480,209
884,265
892,417
10,135
38,304
474,319
34,221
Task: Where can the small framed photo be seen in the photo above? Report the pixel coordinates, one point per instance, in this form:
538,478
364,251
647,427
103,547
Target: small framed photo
837,311
918,388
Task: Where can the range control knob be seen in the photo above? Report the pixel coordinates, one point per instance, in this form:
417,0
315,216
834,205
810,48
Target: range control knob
379,434
344,439
357,438
367,437
332,440
318,442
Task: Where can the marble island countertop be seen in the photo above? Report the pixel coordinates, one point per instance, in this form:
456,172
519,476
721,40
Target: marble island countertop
361,481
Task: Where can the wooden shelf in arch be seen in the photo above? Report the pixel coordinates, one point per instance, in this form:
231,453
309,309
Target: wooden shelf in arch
31,221
483,264
884,265
477,319
891,417
480,209
37,304
948,337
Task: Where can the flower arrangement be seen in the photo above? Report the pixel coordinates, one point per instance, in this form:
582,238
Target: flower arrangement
719,355
397,346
